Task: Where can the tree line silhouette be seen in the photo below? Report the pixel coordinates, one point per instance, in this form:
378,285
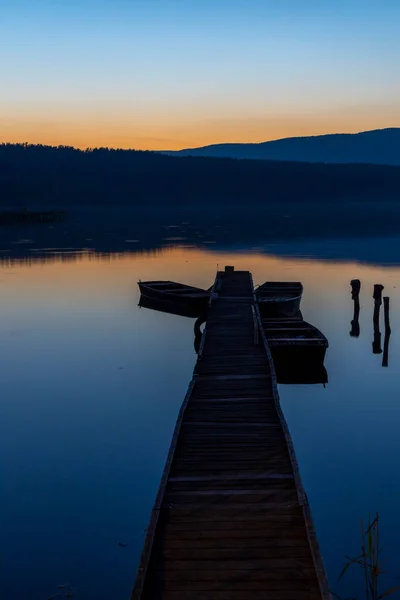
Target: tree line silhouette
62,175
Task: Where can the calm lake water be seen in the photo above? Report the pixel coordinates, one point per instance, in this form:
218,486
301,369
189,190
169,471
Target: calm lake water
91,386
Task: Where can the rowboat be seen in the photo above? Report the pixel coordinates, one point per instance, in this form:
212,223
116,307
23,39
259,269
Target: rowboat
296,334
174,293
298,350
279,298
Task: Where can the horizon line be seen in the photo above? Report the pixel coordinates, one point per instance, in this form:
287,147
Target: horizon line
132,149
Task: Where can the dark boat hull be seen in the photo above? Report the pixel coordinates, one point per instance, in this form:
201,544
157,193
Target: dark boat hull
279,298
275,308
196,303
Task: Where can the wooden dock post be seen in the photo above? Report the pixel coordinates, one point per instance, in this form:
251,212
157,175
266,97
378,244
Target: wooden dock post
355,292
377,296
355,287
376,344
388,331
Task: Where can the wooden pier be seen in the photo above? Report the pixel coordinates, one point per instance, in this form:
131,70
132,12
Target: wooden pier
231,520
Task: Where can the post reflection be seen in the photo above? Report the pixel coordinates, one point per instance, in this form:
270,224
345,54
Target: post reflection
376,344
388,331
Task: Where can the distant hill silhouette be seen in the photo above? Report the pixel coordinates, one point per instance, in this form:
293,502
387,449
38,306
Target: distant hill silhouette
381,147
43,175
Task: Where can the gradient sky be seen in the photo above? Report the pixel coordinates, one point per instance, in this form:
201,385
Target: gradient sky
176,73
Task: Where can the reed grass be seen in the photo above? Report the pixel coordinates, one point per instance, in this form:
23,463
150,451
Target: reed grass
370,562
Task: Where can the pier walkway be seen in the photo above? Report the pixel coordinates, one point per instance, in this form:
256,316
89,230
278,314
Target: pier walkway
231,520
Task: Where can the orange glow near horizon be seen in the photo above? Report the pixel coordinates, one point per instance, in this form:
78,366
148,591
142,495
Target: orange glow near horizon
170,75
177,261
157,134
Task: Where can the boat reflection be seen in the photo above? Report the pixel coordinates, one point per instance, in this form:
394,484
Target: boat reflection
289,372
180,311
191,312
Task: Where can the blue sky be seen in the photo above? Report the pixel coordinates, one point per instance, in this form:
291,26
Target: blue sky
175,73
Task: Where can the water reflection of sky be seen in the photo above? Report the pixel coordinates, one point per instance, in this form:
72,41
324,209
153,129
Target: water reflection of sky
91,386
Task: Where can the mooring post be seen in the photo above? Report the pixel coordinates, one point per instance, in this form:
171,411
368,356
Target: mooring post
376,344
388,331
378,288
355,287
355,291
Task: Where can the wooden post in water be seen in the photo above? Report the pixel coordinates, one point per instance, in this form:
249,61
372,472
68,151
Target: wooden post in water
376,344
355,291
388,331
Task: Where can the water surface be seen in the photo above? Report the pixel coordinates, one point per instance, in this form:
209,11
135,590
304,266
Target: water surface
92,384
